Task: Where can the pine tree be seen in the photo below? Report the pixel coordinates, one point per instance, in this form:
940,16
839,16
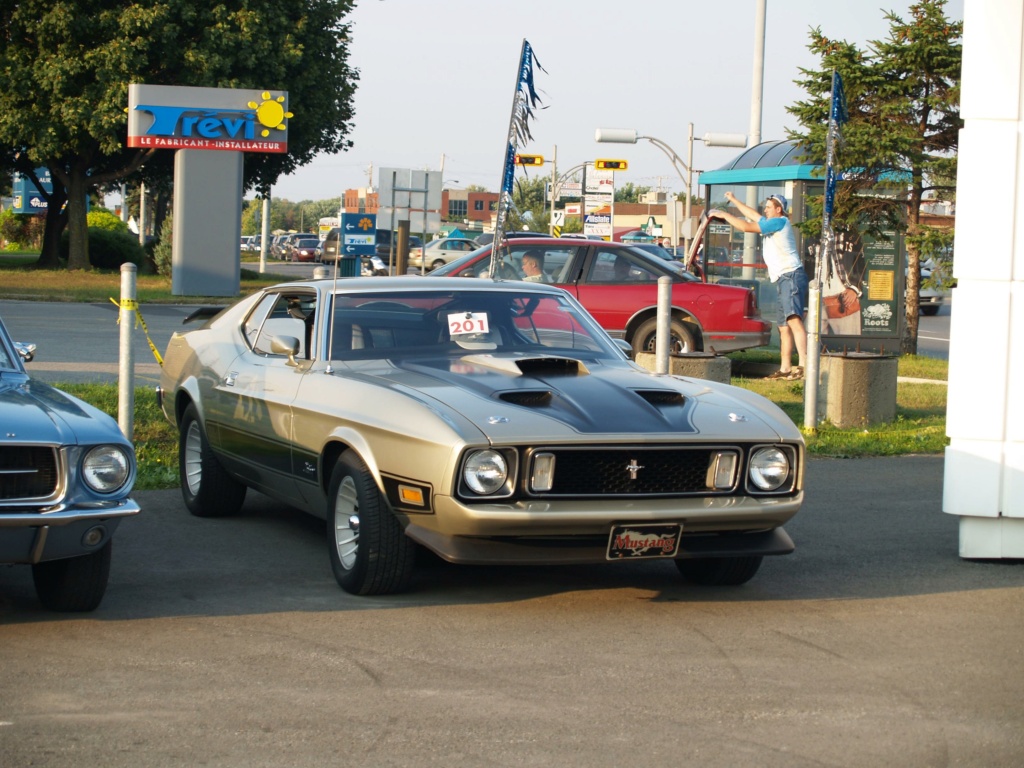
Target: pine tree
903,98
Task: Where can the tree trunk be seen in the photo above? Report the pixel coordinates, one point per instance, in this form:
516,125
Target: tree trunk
908,344
56,220
78,226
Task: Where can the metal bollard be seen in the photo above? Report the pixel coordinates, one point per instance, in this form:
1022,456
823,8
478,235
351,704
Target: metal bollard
663,335
126,358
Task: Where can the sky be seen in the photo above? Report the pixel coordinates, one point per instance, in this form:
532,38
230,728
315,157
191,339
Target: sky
438,77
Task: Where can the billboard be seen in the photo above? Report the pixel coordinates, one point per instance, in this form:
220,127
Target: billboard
225,119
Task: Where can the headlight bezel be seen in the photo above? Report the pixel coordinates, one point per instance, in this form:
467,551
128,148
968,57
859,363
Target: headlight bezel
107,460
505,489
786,485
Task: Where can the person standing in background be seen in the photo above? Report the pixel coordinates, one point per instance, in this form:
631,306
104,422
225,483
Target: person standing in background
785,270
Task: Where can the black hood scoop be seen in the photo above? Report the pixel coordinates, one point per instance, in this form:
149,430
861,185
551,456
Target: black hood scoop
529,398
659,397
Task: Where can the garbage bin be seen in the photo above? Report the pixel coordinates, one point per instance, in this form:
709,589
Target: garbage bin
859,387
348,267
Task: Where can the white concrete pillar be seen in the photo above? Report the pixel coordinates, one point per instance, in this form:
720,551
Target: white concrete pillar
984,471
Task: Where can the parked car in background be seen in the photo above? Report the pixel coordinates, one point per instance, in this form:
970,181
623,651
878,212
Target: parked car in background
303,249
246,243
439,252
935,288
658,250
618,285
486,238
66,473
485,421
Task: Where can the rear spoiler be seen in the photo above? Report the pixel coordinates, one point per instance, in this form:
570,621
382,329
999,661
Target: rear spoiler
202,313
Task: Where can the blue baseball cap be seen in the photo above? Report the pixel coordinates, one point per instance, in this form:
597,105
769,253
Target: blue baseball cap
781,200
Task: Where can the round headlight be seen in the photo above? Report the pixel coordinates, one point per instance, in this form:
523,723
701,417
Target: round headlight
485,472
105,468
769,468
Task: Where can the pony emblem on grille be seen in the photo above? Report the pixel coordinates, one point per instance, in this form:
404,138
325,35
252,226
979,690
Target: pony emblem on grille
633,468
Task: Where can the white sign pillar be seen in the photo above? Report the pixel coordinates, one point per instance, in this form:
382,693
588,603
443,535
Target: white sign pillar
984,471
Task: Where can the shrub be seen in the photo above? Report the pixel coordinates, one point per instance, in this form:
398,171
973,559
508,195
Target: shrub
108,249
101,218
21,232
162,248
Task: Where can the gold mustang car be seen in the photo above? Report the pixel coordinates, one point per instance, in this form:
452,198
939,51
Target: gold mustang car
489,422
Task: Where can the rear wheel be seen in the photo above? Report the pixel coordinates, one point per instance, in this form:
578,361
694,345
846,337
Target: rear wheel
929,310
437,263
720,571
644,339
206,487
370,554
74,584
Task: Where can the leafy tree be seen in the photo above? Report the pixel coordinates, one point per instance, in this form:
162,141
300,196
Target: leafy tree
627,193
900,142
67,65
530,205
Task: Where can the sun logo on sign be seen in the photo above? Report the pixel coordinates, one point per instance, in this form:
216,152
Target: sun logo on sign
270,113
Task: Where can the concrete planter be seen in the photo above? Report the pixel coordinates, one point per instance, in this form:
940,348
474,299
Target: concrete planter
697,365
859,389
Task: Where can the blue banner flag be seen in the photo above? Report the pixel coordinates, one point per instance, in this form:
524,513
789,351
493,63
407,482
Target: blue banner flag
524,103
837,116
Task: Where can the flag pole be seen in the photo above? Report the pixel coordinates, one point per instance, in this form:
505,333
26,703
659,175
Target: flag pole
824,249
523,101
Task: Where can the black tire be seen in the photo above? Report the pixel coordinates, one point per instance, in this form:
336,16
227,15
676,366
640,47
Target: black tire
206,487
929,310
720,571
370,554
437,263
75,584
645,337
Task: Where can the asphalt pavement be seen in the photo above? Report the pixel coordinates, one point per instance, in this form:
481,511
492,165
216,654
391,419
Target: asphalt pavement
227,642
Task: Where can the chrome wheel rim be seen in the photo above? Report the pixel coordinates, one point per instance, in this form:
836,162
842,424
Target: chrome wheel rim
193,458
346,523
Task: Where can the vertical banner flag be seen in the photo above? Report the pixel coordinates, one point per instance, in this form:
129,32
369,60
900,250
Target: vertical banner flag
826,251
524,101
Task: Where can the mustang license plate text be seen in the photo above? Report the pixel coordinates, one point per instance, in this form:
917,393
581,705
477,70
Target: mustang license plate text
650,540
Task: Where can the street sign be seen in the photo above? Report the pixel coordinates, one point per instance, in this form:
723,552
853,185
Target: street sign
358,234
558,218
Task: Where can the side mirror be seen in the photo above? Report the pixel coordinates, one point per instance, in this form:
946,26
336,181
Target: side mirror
285,345
26,350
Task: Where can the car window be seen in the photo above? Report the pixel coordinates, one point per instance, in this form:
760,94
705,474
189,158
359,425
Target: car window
619,266
402,325
286,314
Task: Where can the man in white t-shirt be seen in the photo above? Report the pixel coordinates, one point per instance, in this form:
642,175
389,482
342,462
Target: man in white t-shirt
785,270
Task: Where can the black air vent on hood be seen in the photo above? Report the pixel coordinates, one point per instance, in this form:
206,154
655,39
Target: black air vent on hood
535,365
661,396
528,398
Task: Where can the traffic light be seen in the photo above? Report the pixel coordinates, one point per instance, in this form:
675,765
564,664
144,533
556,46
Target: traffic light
611,165
529,160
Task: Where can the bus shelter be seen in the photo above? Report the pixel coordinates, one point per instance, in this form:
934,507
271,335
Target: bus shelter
862,288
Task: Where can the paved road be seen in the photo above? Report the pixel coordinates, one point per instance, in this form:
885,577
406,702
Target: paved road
226,642
80,342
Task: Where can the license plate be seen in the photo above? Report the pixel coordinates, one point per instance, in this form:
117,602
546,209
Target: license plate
627,542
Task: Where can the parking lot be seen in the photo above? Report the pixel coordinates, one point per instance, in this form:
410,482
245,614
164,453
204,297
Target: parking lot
227,642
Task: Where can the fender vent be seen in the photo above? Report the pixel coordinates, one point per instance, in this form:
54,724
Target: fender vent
528,398
661,396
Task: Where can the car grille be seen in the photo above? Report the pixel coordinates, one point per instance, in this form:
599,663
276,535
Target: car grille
631,472
28,473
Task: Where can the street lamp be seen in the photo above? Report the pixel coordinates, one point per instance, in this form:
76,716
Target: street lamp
629,136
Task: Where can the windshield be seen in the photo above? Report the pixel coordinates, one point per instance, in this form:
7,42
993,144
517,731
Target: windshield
406,324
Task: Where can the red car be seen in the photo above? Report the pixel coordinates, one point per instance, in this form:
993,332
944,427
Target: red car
618,285
303,249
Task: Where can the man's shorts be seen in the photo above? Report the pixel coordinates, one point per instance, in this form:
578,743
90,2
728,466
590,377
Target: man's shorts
792,295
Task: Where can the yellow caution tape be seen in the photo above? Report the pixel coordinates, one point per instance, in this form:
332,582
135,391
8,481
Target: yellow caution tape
131,305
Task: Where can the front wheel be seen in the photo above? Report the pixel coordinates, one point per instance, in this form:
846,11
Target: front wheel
75,584
681,338
370,554
931,311
720,571
206,487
